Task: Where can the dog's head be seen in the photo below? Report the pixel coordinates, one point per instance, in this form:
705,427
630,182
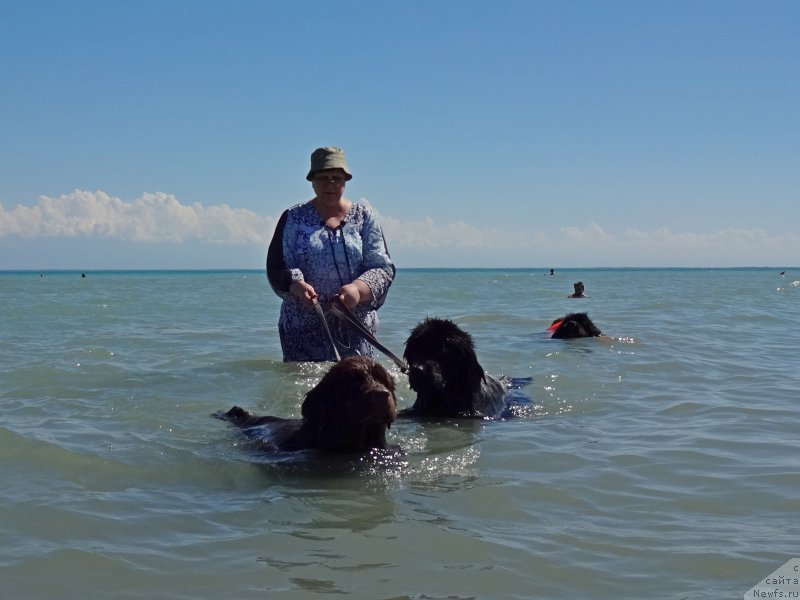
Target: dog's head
574,325
443,367
352,406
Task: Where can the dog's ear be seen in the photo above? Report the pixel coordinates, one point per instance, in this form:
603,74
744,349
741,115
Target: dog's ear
328,400
320,400
315,405
461,359
413,342
473,369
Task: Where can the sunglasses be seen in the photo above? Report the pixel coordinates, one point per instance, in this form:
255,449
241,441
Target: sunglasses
334,179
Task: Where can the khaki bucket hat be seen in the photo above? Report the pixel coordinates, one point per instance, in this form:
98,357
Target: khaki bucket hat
329,157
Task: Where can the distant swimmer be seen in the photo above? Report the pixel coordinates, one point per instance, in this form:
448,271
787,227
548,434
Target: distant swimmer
783,272
83,274
579,289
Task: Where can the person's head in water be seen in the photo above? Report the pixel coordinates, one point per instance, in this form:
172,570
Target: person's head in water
579,289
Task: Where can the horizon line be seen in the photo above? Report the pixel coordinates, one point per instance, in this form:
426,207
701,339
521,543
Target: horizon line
259,270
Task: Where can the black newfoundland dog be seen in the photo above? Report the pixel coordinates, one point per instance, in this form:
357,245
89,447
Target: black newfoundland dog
445,373
574,325
349,410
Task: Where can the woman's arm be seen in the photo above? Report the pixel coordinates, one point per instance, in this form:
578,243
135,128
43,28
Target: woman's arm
378,268
285,281
280,277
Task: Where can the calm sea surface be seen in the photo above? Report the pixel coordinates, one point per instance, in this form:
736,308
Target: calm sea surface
664,463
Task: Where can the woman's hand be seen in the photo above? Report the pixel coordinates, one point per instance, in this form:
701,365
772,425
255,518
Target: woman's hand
354,293
304,292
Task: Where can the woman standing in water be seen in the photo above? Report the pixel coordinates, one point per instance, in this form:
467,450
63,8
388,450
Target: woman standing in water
328,247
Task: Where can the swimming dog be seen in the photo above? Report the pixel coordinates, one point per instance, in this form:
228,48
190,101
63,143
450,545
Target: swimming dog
349,410
574,325
444,371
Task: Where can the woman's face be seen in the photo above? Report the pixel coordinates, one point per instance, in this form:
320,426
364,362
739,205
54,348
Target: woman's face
329,184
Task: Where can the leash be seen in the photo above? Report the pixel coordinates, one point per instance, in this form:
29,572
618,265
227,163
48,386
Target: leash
321,315
339,309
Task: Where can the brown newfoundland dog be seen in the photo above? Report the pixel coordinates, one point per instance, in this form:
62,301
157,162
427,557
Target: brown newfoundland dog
349,410
574,325
445,373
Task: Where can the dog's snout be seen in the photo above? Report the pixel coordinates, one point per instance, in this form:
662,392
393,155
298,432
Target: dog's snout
415,369
382,407
416,374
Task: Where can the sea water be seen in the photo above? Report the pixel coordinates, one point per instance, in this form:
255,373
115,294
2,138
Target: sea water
660,462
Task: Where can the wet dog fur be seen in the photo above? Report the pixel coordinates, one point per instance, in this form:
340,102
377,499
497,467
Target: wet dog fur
445,374
349,411
574,325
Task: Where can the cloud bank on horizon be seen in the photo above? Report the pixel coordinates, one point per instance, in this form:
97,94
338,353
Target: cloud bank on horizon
157,217
82,219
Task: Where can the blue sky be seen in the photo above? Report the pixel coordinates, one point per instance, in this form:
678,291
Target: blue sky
171,134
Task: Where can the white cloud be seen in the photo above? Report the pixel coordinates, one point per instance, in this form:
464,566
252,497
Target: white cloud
594,246
160,218
155,217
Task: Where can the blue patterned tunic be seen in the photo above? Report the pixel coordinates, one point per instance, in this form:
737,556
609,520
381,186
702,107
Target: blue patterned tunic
303,248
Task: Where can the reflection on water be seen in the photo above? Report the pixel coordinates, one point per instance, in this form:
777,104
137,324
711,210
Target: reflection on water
659,462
